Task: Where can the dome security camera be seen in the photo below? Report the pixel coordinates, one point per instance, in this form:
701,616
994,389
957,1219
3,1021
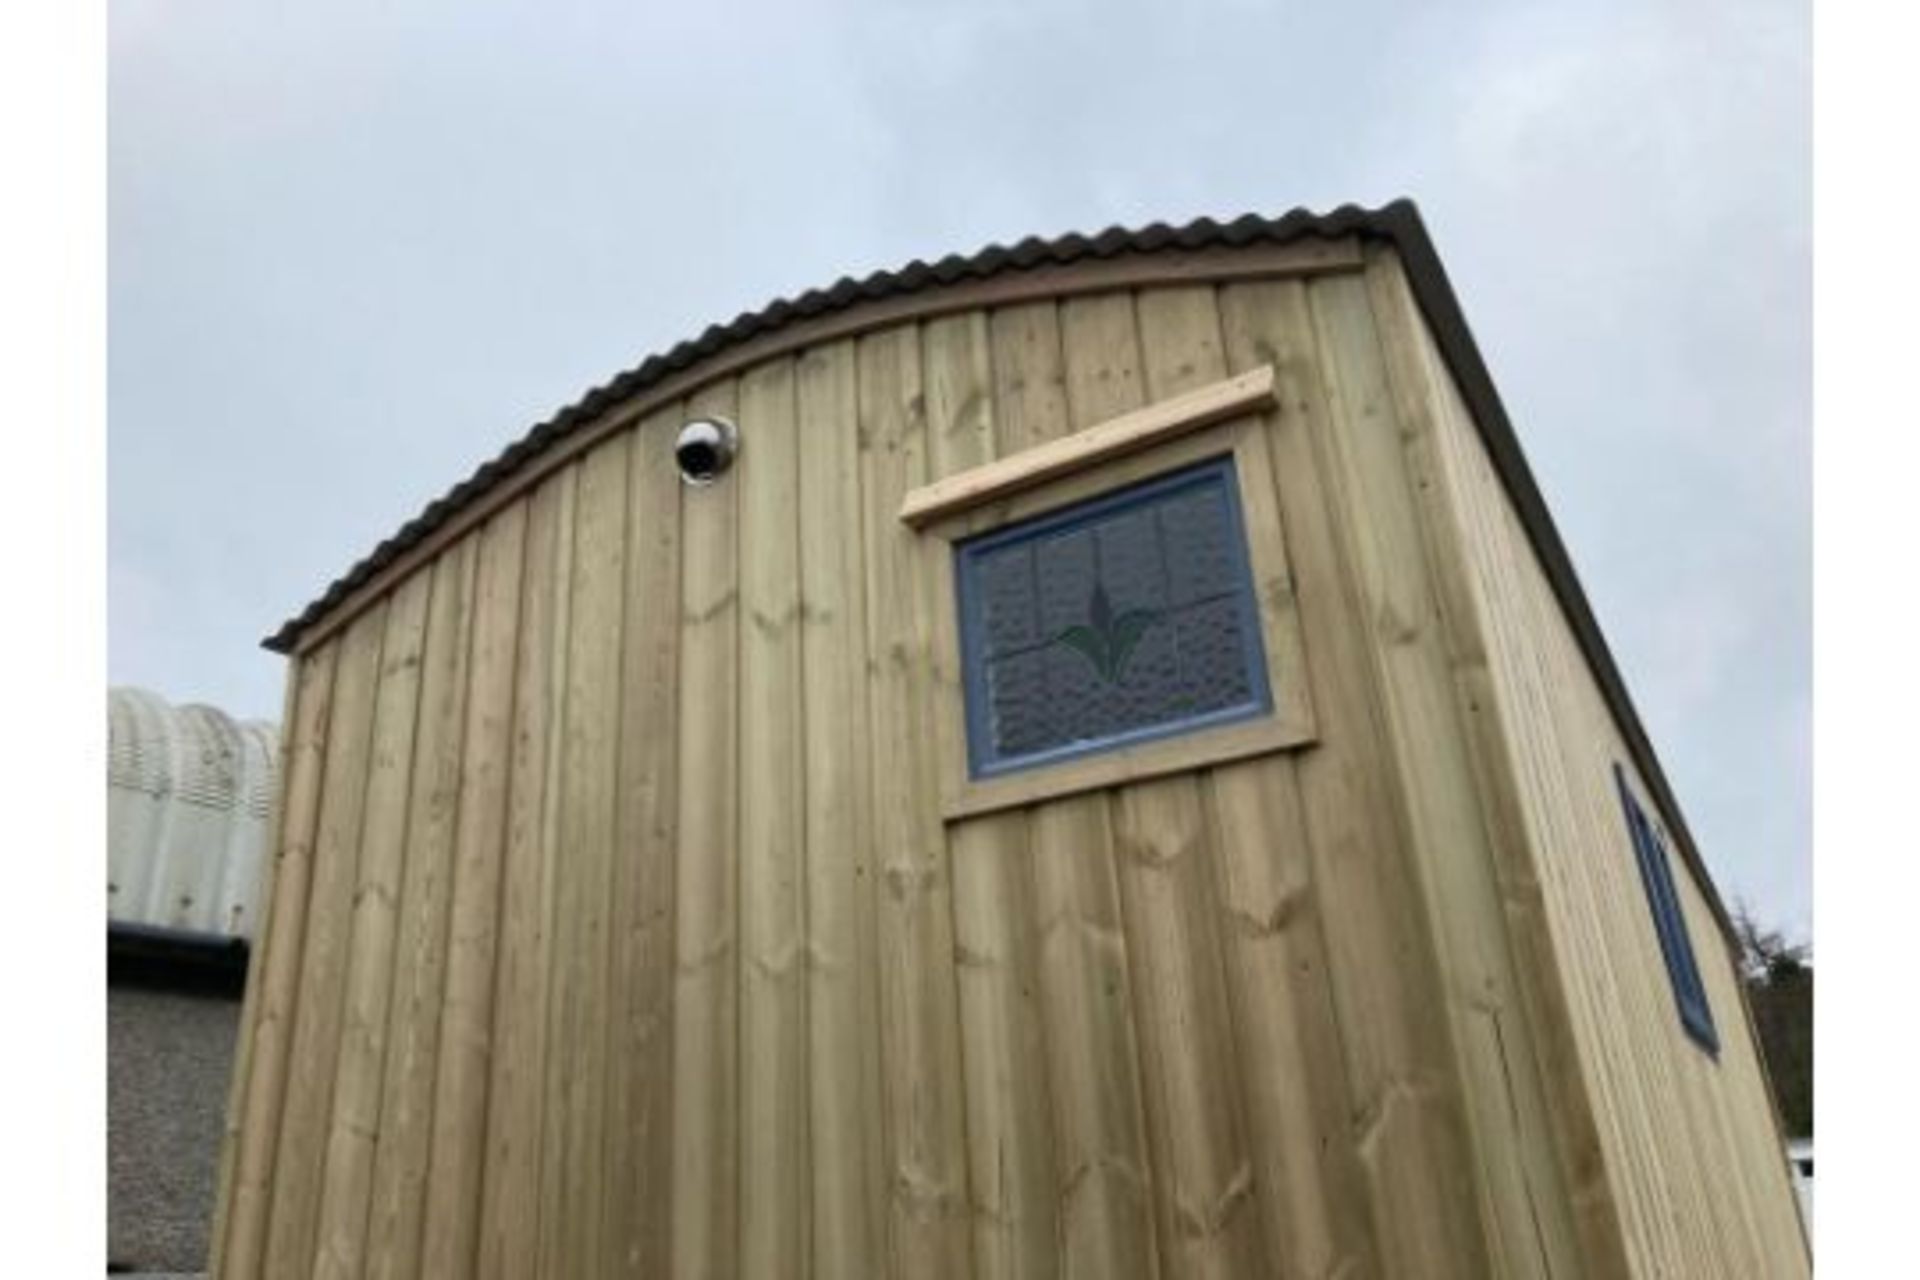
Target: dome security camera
705,449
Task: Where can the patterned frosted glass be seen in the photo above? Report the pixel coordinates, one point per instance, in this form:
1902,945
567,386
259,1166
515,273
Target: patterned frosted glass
1127,617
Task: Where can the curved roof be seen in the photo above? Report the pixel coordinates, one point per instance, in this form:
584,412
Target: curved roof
189,790
1397,223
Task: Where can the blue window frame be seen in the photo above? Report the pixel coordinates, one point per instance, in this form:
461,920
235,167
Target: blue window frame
1663,899
1113,621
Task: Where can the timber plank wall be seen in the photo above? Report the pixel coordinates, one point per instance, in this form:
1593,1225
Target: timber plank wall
615,928
1692,1142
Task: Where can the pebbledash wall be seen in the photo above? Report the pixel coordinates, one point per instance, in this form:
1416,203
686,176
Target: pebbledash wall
666,884
188,793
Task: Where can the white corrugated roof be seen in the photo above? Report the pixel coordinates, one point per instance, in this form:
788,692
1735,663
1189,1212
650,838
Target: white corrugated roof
189,790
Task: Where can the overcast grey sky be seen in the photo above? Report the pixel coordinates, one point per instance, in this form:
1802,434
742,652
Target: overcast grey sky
355,249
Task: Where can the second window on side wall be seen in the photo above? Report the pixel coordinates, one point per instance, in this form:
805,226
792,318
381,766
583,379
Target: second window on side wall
1669,921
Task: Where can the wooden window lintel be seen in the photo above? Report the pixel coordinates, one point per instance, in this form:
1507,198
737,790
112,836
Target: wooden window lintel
1249,392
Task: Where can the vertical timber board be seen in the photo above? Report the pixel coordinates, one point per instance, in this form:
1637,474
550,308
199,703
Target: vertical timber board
355,1125
1723,1180
1101,1170
1537,771
301,1146
1029,375
1748,1100
413,1013
1643,1023
1700,1080
1558,824
239,1238
1100,356
1158,837
1306,1171
237,1080
572,1218
1741,1096
1410,567
1170,895
1671,1080
1554,1098
456,1150
923,1094
1009,1131
1573,813
1562,743
1425,759
1205,1182
1308,1184
773,1065
639,1105
510,1175
847,1183
1405,1127
706,1066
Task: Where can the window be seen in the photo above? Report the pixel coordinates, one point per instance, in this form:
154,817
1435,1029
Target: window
1113,605
1656,876
1112,621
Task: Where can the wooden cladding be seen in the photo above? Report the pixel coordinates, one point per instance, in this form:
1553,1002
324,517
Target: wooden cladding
1676,1157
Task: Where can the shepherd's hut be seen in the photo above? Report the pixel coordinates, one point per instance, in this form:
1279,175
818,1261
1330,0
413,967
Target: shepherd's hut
1088,758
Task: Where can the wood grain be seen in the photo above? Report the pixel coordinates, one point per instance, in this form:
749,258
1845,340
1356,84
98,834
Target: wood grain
457,1141
1404,1126
398,1203
273,978
1166,419
929,1231
706,1062
1009,1123
1212,1217
573,1234
316,1033
1673,1153
509,1198
848,1204
773,1080
639,1106
1084,986
235,1114
347,1174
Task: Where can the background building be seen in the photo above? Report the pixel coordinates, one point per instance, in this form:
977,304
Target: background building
188,792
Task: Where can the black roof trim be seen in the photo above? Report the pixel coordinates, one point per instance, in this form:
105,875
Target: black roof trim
1397,222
